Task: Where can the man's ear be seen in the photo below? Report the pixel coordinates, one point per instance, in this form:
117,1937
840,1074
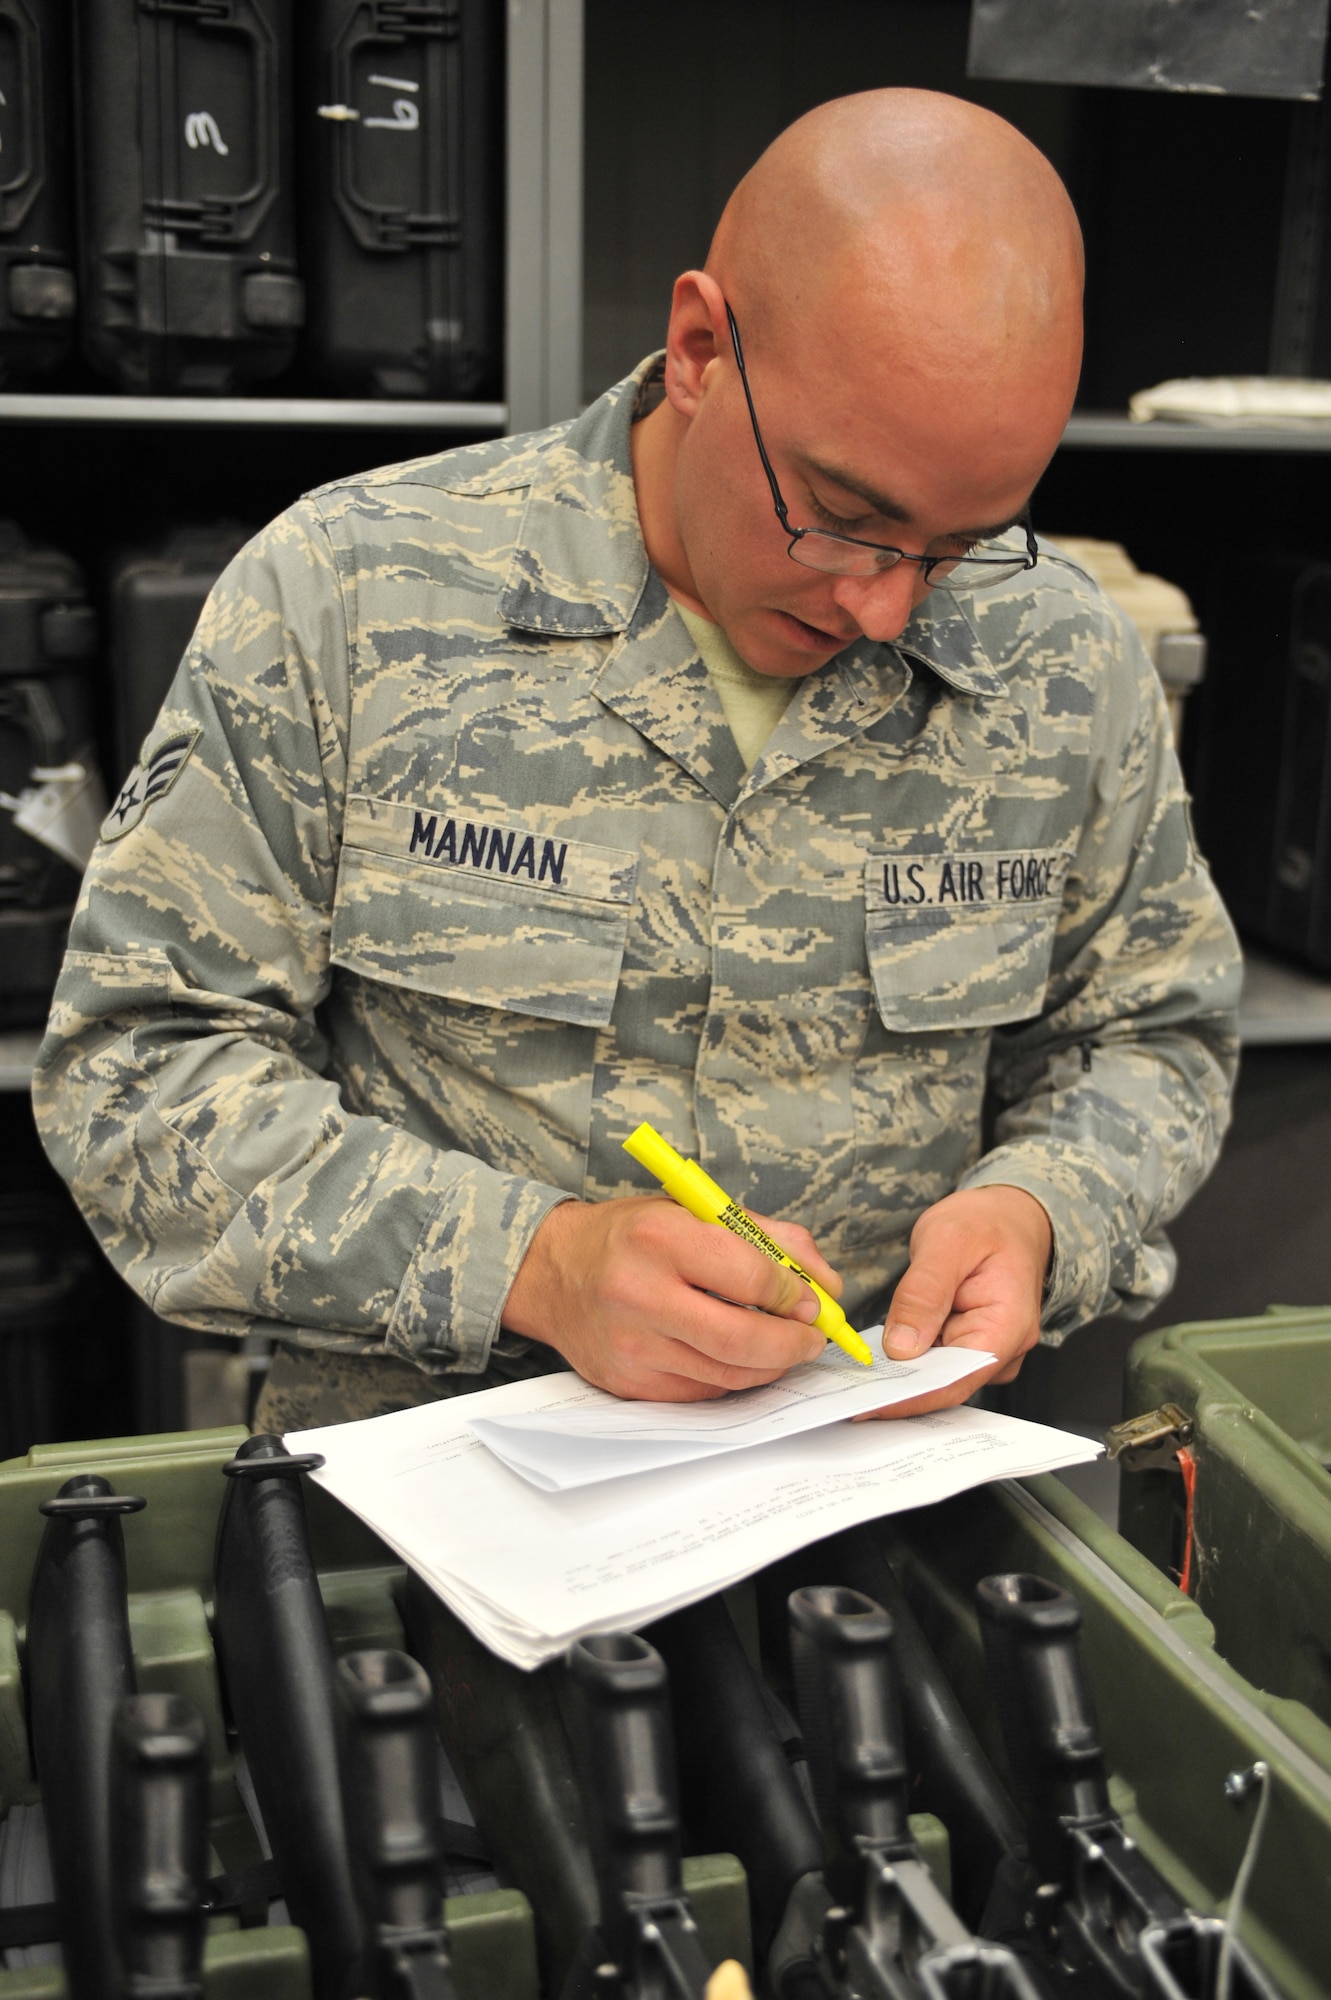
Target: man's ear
697,336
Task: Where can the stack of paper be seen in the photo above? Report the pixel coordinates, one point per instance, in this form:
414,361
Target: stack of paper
559,1432
530,1570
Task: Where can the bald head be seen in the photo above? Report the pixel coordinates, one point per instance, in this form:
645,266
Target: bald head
923,228
905,271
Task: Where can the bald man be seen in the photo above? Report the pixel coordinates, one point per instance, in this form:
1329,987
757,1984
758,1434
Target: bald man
730,758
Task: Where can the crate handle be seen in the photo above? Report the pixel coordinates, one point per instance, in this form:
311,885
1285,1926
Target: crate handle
377,225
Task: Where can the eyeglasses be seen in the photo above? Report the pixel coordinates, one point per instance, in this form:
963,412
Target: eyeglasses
848,555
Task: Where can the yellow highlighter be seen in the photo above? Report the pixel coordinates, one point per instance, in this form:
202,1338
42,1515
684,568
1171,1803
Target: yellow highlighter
685,1182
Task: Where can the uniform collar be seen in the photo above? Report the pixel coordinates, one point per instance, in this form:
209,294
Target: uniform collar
941,637
579,567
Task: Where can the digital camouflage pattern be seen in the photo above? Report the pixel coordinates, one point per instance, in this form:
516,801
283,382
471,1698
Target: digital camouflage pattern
308,1387
463,878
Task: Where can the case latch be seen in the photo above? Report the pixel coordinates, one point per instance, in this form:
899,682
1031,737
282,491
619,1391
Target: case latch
1141,1444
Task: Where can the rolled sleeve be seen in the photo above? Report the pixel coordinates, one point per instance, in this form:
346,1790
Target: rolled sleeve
447,1311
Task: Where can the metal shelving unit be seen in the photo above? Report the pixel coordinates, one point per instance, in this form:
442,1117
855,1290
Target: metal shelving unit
543,270
1281,1004
18,1053
543,312
250,412
543,383
542,277
1109,431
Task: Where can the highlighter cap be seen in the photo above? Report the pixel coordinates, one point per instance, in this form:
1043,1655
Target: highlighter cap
650,1150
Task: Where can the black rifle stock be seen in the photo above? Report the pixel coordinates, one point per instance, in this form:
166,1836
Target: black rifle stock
892,1935
739,1793
950,1773
159,1822
390,1783
1108,1924
79,1667
624,1756
277,1666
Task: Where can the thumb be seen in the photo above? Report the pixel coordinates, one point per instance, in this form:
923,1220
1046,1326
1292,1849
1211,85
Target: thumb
923,1300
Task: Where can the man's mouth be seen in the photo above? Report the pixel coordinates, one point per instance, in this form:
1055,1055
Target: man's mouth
812,638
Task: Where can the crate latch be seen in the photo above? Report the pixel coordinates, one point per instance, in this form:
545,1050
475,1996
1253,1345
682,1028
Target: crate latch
1149,1442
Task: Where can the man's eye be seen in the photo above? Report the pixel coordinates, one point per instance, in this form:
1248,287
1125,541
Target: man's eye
837,523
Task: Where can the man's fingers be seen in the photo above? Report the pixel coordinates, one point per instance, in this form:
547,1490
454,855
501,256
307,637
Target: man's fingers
994,1331
797,1243
649,1303
736,1339
950,1398
715,1261
685,1366
982,1327
923,1299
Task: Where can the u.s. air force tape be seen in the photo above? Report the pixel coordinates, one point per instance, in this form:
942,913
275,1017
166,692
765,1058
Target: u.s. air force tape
1013,879
150,780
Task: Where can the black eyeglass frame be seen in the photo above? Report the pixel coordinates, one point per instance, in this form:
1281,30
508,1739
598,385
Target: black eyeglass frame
1011,564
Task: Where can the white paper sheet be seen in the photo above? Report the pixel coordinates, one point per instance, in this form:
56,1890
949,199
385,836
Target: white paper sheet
559,1432
530,1571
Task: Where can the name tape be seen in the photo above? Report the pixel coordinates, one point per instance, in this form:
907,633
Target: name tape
446,836
953,881
471,844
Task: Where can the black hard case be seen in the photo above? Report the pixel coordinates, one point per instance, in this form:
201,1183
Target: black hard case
402,194
187,208
36,191
1262,764
53,1307
156,597
48,634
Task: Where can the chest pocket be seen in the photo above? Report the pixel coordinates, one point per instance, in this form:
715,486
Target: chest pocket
486,913
961,940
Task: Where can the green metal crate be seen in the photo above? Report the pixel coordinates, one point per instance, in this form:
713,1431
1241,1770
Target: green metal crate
1175,1718
169,1556
1258,1394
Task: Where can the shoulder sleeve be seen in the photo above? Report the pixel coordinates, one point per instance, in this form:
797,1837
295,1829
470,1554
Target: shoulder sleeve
180,1088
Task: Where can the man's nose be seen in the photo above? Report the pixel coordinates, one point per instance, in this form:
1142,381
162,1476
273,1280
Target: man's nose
880,604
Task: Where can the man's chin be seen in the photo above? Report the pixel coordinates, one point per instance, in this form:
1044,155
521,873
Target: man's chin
786,646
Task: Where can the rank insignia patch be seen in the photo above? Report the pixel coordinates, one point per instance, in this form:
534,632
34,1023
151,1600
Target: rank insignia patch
150,779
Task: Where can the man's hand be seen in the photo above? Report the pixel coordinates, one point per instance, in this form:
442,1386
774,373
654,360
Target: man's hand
977,1267
622,1290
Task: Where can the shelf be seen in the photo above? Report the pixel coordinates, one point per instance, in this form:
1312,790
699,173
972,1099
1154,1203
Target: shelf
1106,431
18,1053
255,412
1095,432
1282,1004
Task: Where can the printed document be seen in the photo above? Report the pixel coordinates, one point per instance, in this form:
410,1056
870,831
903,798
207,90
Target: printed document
529,1571
560,1432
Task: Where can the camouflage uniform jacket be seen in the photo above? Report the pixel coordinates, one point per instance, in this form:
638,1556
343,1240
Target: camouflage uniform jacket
441,871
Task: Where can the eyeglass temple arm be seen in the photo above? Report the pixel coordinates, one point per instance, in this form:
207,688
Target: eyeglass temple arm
777,501
1032,549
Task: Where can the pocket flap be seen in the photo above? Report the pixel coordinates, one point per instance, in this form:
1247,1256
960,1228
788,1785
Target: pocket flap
961,940
489,914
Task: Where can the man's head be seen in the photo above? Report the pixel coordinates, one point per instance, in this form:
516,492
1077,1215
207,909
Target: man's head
905,271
